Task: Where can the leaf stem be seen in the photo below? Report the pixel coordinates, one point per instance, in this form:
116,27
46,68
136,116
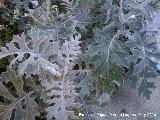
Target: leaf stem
121,11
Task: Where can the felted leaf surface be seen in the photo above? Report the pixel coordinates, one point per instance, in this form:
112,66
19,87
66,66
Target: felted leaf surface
144,52
60,89
61,99
16,101
85,89
33,53
47,16
70,51
81,12
108,48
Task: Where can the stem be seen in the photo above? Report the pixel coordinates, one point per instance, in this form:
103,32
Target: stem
65,71
109,26
48,8
109,48
121,12
144,54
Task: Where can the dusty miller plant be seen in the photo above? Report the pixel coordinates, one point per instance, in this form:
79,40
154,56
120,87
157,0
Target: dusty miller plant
75,54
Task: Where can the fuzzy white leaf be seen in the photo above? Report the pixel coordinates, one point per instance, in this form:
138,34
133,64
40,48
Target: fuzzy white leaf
39,49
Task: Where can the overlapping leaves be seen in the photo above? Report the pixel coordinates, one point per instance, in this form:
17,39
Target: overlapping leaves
19,103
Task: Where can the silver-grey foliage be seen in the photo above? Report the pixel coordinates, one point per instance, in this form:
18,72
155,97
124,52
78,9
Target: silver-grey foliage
80,51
